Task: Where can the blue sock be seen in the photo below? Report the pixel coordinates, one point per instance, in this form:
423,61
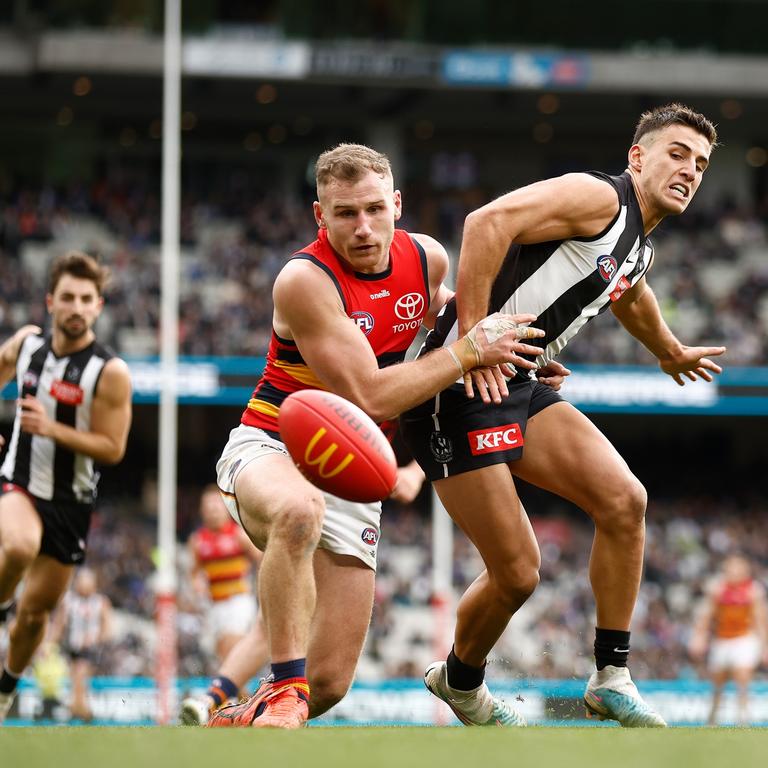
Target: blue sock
222,689
285,670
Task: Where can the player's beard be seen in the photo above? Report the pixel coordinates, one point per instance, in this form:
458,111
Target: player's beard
74,333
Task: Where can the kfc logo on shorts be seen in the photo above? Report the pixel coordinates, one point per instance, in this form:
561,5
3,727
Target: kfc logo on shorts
502,438
370,536
621,286
364,321
410,306
606,266
66,393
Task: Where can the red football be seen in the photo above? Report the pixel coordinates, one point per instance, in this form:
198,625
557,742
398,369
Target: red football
337,446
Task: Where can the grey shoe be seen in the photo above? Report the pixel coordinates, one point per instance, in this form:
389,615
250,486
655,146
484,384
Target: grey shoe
611,695
475,707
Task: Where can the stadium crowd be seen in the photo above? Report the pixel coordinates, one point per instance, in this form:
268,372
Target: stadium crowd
710,273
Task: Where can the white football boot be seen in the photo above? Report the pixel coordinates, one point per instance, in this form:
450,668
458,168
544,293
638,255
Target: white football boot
475,707
196,710
6,699
611,695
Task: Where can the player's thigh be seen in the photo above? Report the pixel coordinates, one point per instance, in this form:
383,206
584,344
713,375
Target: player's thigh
345,588
265,488
45,583
565,453
485,505
21,528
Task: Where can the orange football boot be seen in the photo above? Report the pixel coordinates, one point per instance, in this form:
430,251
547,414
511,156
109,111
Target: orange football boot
244,713
272,706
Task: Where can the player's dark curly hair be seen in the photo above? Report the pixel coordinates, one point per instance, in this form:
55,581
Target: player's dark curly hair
670,114
78,264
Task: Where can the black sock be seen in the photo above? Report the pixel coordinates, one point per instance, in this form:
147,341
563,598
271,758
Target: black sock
4,609
611,647
461,676
8,682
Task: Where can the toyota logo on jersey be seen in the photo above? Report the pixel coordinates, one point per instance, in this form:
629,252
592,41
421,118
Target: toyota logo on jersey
606,266
409,306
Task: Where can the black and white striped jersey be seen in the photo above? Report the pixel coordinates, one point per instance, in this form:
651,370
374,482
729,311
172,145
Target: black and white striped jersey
566,282
65,386
83,621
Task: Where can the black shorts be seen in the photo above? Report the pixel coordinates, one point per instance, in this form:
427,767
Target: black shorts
65,526
452,433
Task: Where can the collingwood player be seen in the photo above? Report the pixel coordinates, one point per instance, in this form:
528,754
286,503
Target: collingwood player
563,249
73,411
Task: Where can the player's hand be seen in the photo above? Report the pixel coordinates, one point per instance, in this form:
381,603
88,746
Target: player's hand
552,374
693,363
489,381
500,339
2,442
34,419
697,648
410,478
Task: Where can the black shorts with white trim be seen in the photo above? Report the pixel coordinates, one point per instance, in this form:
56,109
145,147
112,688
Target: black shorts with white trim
451,433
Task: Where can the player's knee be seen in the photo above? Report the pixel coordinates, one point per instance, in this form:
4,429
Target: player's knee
517,581
326,691
298,521
19,553
626,509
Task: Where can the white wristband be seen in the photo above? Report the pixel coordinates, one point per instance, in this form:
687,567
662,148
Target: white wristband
456,360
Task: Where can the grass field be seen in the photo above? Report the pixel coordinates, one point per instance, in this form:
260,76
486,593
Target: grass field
62,747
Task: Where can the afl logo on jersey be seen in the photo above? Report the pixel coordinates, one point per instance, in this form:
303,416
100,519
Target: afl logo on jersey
410,306
606,266
370,536
364,321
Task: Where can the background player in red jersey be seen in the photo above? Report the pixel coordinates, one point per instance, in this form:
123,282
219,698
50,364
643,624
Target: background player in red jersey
222,558
346,308
733,624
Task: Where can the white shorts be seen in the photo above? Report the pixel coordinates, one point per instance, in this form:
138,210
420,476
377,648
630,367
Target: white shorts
349,528
734,653
232,616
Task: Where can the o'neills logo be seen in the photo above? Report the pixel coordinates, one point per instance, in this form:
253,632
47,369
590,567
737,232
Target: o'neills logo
64,392
502,438
322,460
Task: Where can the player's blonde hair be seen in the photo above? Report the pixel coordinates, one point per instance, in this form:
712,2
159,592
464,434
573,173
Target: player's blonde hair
350,162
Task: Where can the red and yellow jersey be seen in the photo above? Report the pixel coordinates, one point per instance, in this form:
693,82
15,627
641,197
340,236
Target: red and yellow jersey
224,561
734,609
388,307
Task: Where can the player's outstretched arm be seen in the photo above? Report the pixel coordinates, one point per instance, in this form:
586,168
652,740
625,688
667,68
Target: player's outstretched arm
574,205
638,311
106,440
338,353
9,352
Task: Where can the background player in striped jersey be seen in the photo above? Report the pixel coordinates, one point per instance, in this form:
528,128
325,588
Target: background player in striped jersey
222,558
74,410
733,625
563,249
82,626
346,308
